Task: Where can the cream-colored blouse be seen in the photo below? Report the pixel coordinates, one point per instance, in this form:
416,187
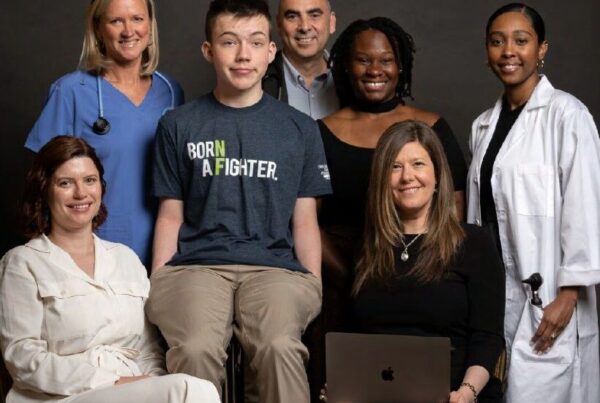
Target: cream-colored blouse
62,332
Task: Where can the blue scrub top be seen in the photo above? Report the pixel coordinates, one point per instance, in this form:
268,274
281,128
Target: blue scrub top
125,151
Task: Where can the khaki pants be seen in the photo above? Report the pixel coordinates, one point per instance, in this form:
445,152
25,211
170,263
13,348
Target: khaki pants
198,307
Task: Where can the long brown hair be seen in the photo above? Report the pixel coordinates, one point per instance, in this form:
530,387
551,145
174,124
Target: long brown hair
35,214
383,226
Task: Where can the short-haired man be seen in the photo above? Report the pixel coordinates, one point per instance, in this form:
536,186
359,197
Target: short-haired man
237,245
299,75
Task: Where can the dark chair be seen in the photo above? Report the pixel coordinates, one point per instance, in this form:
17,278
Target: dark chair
233,390
5,381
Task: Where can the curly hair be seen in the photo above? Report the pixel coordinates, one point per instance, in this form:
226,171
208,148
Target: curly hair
35,214
341,55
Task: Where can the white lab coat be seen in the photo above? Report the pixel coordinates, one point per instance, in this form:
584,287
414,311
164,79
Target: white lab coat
63,333
546,188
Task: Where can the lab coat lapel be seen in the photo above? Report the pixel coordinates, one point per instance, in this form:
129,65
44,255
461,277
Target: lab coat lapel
540,98
487,126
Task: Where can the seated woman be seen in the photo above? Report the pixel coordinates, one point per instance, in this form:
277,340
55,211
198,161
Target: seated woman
420,271
72,325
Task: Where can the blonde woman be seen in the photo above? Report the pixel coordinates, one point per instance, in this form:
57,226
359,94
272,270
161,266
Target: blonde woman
114,101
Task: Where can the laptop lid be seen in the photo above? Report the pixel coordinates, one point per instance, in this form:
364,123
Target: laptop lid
380,368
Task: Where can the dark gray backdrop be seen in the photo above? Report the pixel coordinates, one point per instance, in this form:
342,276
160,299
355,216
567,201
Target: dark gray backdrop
40,40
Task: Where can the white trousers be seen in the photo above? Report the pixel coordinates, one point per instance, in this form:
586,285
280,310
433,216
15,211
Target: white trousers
174,388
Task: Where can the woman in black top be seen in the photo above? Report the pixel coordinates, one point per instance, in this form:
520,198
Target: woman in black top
420,271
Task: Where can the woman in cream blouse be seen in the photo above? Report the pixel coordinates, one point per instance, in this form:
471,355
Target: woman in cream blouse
72,325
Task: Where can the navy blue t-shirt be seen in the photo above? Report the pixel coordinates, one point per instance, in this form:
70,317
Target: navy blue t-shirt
239,172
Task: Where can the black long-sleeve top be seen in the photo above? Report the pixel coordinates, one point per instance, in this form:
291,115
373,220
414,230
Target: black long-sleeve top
466,305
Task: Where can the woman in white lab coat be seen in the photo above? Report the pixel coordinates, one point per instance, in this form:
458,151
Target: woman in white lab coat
534,181
72,325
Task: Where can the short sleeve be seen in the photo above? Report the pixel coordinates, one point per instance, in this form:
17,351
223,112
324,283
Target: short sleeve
56,118
454,155
315,179
166,181
486,294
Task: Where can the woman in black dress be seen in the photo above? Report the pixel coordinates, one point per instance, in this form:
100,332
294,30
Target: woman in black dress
420,272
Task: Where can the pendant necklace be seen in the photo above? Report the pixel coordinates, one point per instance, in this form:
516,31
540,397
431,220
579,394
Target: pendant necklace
404,255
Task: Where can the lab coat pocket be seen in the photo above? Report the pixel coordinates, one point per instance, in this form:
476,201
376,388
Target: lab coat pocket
562,352
129,303
534,190
72,310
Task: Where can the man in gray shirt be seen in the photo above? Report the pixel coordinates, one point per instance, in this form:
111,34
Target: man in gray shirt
299,74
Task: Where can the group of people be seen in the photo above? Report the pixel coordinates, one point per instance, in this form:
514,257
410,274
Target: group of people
254,217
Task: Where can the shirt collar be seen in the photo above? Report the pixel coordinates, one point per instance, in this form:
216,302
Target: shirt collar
294,76
541,96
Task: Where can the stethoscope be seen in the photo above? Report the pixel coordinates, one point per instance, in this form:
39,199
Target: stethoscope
102,125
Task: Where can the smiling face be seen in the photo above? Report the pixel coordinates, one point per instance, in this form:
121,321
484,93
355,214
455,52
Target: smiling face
373,68
124,30
413,182
74,195
305,27
514,51
240,50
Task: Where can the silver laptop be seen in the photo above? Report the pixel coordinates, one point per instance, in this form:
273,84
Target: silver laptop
379,368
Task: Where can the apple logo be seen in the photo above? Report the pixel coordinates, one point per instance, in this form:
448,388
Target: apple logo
387,374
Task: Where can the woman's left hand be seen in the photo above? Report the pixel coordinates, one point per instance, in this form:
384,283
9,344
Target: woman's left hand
557,315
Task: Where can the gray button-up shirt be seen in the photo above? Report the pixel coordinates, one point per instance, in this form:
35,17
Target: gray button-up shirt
319,100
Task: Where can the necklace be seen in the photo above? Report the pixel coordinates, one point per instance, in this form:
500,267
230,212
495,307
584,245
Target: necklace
404,255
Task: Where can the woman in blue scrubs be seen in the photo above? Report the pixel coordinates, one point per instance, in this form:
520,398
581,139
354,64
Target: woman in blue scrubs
114,102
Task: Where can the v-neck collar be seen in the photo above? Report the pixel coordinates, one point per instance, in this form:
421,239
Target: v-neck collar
103,259
108,84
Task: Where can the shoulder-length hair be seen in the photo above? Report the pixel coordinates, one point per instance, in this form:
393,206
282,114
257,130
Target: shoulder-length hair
383,226
93,55
35,213
341,55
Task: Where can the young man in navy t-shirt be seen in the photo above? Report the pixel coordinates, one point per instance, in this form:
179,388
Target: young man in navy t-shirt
237,246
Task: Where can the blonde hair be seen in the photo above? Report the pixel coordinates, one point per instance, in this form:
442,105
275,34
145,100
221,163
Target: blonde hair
93,57
383,226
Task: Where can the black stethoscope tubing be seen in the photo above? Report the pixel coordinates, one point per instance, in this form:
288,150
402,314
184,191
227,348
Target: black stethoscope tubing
102,126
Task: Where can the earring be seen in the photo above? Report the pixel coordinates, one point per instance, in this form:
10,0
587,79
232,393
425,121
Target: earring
540,64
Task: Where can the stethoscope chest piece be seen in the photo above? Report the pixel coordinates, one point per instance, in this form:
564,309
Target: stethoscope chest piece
101,126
